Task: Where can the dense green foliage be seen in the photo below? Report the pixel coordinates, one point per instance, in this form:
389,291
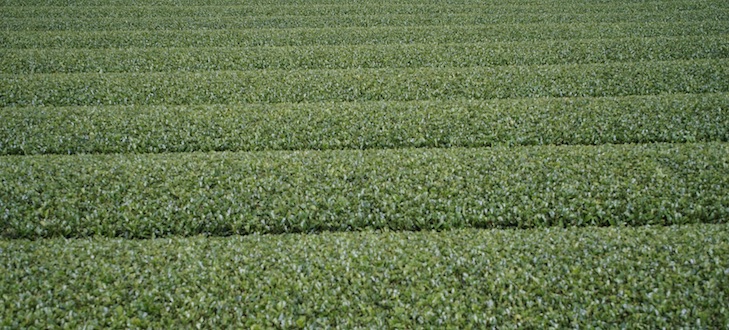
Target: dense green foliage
483,164
372,20
590,51
326,9
276,86
673,118
403,189
245,17
356,35
655,277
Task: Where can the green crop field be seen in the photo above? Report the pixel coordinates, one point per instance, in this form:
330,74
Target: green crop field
374,164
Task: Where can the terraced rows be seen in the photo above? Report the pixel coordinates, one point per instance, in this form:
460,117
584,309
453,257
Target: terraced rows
277,123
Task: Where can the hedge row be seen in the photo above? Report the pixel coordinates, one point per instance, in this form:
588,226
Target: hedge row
357,35
154,195
158,9
22,61
152,22
648,277
365,125
276,86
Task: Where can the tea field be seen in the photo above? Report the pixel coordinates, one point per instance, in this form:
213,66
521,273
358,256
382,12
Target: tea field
371,164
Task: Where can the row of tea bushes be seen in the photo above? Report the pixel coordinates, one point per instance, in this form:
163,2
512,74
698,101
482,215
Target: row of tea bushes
153,195
647,277
357,35
280,86
673,118
590,51
190,19
119,9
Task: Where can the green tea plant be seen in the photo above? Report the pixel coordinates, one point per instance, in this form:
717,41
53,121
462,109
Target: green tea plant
316,164
356,35
242,17
157,195
463,55
588,277
276,86
674,118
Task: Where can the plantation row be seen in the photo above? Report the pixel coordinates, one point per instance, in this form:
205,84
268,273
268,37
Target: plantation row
365,125
437,34
277,86
153,195
591,51
35,23
136,10
648,277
